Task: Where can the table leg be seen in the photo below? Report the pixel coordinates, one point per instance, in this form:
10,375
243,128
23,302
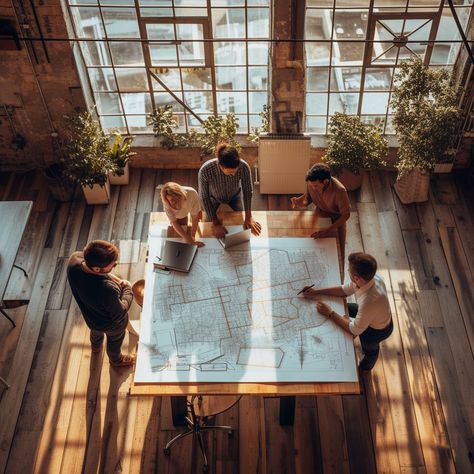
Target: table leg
287,411
178,410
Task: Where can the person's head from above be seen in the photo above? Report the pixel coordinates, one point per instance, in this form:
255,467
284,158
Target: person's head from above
228,158
101,256
173,195
362,268
318,176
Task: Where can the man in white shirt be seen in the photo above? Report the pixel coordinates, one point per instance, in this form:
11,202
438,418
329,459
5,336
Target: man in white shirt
370,318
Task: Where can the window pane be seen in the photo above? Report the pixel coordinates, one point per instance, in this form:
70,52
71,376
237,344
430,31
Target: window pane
170,77
127,53
258,53
346,103
194,78
228,23
318,24
227,3
131,79
138,124
95,53
343,53
354,3
242,126
256,101
156,3
190,3
199,102
346,78
258,78
350,24
113,122
136,103
445,53
316,125
193,122
108,103
164,55
231,78
375,120
378,79
156,12
189,12
316,104
162,31
375,102
162,99
121,22
102,79
235,102
258,22
263,3
317,79
191,52
87,22
229,53
389,128
117,2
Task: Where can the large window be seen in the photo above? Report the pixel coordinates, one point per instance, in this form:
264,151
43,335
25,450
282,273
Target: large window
353,49
204,57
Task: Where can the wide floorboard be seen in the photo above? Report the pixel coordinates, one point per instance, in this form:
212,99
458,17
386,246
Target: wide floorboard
66,411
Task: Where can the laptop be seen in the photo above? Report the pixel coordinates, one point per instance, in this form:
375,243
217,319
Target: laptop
175,255
233,237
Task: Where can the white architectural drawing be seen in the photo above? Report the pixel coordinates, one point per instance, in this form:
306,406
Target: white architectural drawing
236,317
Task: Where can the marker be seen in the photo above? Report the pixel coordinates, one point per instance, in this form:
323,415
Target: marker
304,289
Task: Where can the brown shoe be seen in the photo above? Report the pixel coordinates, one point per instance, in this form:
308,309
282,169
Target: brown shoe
125,361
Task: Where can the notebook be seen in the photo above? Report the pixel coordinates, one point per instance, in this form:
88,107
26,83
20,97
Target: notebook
235,237
175,255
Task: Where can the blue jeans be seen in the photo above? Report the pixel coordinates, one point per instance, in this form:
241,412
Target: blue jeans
235,203
115,338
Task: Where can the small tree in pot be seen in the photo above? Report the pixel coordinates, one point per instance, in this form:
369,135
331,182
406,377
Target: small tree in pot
426,120
120,154
88,159
353,147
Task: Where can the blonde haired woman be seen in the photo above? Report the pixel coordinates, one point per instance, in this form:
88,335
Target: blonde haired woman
178,202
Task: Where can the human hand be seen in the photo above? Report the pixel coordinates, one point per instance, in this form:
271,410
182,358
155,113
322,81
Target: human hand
319,234
308,292
324,309
199,244
125,283
253,225
219,230
298,202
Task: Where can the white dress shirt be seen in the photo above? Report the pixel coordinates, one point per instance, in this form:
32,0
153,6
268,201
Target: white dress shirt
190,205
374,308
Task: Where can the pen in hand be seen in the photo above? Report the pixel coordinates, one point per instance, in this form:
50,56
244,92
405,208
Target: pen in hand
305,288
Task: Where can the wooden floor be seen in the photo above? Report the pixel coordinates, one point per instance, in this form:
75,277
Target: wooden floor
67,412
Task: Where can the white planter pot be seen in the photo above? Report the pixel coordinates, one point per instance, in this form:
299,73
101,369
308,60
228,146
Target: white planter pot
120,179
97,194
413,186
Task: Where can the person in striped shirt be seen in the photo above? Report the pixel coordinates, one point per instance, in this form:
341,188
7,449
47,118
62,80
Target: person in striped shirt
226,180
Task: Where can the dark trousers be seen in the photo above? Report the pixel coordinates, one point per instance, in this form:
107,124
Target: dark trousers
371,338
235,203
115,338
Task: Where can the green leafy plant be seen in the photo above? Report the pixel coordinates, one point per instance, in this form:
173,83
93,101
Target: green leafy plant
164,125
426,115
87,157
120,152
217,130
354,146
255,132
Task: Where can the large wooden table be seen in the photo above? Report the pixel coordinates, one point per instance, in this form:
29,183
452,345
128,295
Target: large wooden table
13,219
274,224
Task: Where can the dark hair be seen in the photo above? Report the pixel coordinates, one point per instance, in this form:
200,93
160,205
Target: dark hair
227,155
100,253
318,172
363,264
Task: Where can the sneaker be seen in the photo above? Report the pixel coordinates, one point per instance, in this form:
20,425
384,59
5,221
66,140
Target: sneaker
125,361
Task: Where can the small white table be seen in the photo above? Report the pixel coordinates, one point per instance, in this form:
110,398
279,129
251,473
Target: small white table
14,216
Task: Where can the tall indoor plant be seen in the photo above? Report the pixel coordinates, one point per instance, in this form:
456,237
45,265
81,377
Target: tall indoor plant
426,119
87,159
120,154
353,147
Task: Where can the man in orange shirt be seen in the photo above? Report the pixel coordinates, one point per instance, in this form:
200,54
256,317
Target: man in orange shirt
330,199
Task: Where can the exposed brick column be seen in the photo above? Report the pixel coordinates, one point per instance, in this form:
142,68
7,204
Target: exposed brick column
287,76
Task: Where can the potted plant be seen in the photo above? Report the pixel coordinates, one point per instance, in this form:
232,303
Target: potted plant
164,125
426,119
353,147
87,158
120,155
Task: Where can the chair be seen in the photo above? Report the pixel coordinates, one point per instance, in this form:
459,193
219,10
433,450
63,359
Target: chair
198,411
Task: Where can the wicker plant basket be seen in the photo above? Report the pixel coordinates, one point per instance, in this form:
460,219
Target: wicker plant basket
413,186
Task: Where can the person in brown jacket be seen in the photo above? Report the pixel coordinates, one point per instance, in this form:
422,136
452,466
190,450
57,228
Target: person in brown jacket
103,298
330,199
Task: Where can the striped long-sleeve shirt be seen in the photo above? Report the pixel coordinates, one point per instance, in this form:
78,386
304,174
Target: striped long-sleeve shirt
214,183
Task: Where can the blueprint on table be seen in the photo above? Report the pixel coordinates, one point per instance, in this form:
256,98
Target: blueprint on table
236,316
